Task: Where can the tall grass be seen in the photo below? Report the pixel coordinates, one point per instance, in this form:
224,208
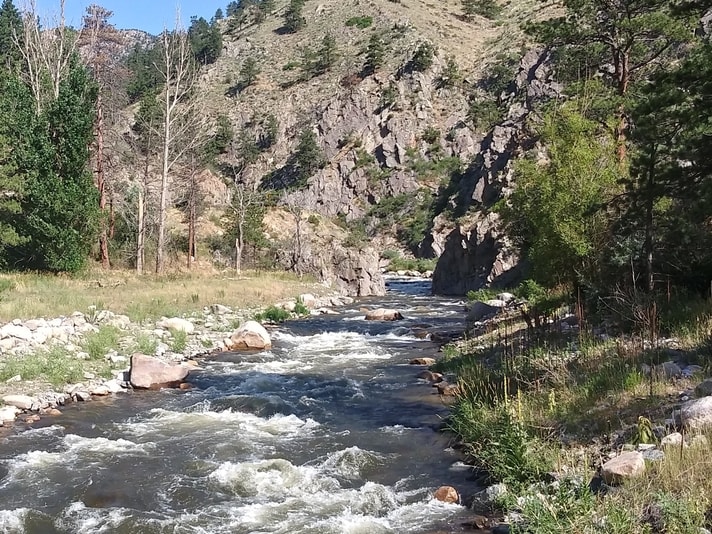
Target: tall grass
147,297
55,366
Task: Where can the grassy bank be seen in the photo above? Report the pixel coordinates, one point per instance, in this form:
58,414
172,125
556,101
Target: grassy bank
541,409
27,296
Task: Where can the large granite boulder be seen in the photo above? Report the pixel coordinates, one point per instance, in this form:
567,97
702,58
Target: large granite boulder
250,336
147,372
697,413
383,314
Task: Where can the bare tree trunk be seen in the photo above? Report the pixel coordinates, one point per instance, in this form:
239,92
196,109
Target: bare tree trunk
163,205
649,206
101,184
141,232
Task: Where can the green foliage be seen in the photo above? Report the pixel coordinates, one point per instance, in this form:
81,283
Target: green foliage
498,443
362,22
273,314
10,26
205,40
144,78
221,139
485,8
59,204
431,135
98,343
293,19
555,211
248,73
451,75
233,8
375,53
423,57
56,366
484,113
399,263
179,340
481,295
145,344
300,309
308,157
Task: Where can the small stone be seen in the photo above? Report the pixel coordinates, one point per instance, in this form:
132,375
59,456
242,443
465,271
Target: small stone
89,376
422,361
447,494
16,378
185,386
653,455
8,413
495,491
627,465
82,396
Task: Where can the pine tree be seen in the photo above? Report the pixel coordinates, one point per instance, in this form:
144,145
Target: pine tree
205,40
293,19
308,157
327,54
375,53
10,32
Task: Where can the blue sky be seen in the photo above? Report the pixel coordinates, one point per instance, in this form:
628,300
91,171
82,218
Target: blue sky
149,15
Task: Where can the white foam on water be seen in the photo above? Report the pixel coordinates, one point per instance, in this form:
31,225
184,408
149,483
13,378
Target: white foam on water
271,479
79,519
13,521
80,445
348,463
202,418
395,429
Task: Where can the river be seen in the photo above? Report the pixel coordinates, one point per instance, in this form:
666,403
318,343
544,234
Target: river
328,432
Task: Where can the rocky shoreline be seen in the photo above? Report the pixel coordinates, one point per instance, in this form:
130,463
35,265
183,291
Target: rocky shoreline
176,343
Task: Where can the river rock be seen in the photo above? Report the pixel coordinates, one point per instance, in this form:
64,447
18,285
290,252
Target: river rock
383,314
23,402
176,323
147,372
447,390
704,388
447,494
481,310
16,331
422,361
8,413
219,309
430,376
252,335
697,413
627,465
308,300
672,440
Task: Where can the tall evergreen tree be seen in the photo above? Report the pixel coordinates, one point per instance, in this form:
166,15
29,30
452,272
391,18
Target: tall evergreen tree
205,40
11,35
60,205
293,18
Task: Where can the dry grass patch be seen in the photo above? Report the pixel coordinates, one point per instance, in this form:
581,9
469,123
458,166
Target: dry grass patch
143,297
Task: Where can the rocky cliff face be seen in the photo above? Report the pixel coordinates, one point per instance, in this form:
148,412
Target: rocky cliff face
477,253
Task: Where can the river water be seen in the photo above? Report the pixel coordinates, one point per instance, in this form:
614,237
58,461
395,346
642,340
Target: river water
329,432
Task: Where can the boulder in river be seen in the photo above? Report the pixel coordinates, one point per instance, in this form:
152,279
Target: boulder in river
148,372
383,314
250,336
447,494
422,361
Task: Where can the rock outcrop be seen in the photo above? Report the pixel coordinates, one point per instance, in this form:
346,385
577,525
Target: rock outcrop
477,252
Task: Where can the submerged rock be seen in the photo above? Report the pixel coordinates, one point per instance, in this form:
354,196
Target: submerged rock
383,314
447,494
148,372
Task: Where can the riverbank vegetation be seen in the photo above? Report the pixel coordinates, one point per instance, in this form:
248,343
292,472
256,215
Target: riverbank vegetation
146,297
541,408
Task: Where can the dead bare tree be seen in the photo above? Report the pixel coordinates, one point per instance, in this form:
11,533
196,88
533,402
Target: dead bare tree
178,72
98,41
46,53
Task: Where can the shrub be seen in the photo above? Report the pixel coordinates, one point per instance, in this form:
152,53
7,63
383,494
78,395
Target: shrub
179,340
273,314
300,308
423,57
56,366
361,22
431,135
98,343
